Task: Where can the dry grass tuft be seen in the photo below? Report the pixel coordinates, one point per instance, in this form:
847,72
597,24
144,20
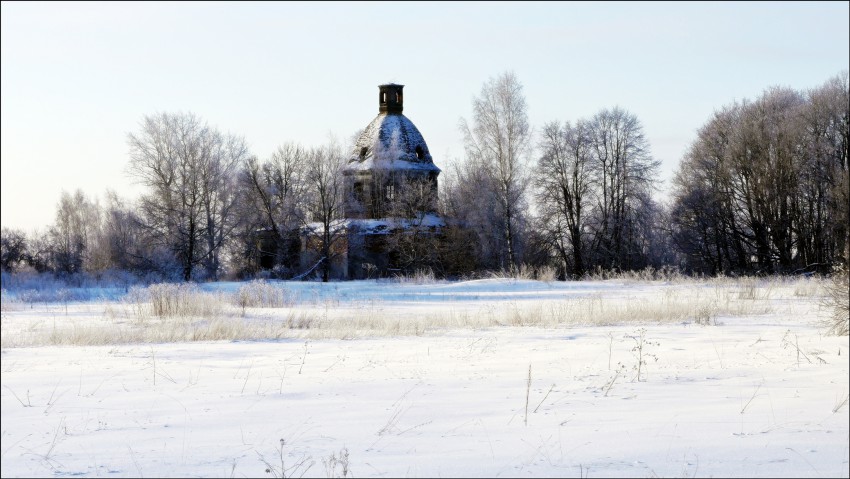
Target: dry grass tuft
420,276
174,300
838,302
261,294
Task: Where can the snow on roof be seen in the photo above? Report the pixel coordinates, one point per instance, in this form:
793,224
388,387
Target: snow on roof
391,141
386,225
370,164
336,226
379,226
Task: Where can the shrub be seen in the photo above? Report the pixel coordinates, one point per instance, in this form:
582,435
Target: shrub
838,301
261,294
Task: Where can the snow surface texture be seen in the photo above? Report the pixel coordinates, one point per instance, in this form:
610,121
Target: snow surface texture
762,394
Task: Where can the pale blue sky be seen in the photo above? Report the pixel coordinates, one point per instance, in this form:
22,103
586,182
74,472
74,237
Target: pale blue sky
77,77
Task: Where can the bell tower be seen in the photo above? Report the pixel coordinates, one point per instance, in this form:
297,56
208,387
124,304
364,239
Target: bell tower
390,99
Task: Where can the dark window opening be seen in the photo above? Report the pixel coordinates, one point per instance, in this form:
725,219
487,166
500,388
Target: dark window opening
420,153
358,192
363,152
398,97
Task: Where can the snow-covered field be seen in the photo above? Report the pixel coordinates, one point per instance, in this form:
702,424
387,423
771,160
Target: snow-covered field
489,378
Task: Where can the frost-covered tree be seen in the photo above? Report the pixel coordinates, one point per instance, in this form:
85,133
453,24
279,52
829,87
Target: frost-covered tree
624,174
468,197
73,235
125,245
497,145
764,187
189,170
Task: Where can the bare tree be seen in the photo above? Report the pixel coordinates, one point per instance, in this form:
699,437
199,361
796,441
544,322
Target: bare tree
703,227
13,249
564,181
764,175
625,174
460,249
188,168
764,186
498,142
324,190
414,241
273,195
73,234
826,208
126,245
468,196
219,196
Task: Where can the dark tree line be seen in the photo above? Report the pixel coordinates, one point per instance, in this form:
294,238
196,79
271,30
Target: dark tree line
762,189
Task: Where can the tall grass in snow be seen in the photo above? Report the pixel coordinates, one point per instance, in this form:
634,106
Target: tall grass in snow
527,272
174,300
420,276
838,302
261,294
29,287
264,311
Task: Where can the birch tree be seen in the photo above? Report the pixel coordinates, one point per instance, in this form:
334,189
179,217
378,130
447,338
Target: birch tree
73,235
497,143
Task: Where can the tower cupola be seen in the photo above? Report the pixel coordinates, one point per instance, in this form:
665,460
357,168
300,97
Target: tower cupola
390,99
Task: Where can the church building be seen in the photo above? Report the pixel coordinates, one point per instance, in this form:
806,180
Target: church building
391,190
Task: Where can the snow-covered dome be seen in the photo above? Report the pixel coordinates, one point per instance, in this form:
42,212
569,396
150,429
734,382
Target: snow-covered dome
391,141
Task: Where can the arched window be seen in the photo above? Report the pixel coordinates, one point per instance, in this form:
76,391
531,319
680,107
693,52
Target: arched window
383,97
420,153
398,97
363,152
